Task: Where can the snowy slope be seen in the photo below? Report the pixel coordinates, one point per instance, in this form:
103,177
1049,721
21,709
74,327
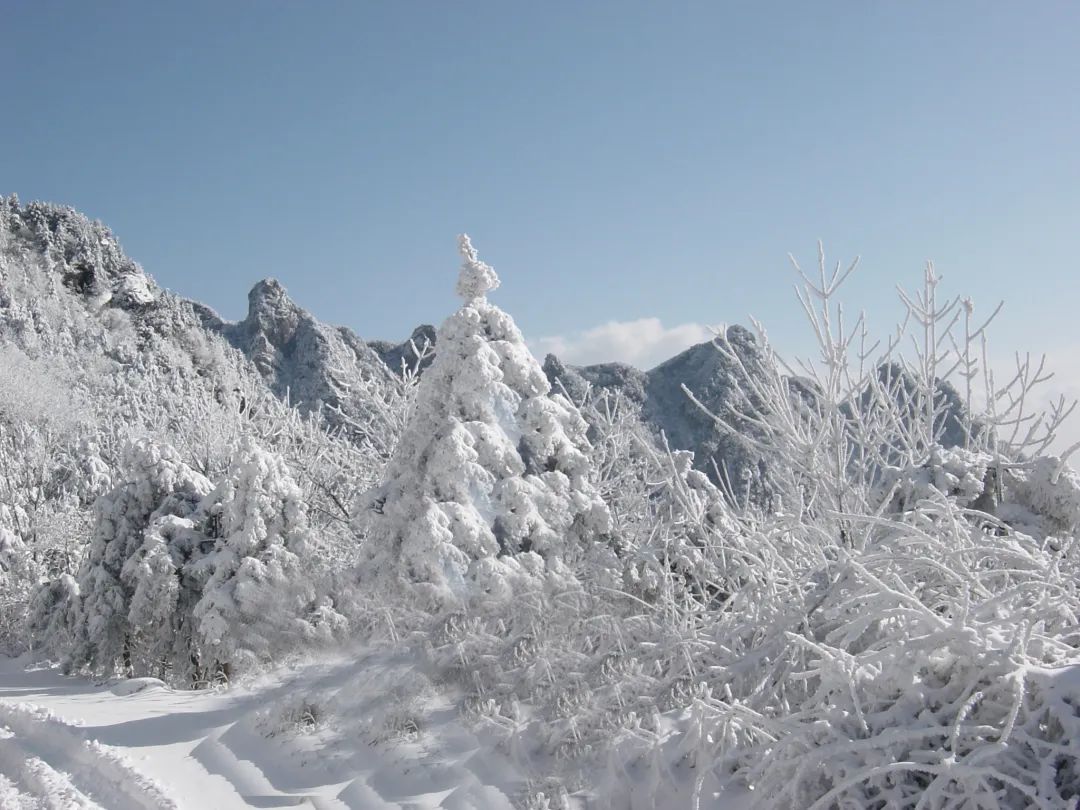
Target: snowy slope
362,731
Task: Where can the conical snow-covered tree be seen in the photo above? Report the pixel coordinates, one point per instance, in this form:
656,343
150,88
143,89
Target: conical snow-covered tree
155,483
259,599
492,477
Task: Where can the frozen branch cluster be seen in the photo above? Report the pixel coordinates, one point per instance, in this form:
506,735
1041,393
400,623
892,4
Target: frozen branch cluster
902,630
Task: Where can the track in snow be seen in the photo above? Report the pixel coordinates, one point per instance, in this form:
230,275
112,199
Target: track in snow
49,764
68,744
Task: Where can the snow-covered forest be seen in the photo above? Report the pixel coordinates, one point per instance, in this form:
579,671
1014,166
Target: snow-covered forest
844,580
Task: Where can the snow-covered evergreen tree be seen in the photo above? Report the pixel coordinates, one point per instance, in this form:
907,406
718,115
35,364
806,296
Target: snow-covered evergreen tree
16,578
155,482
492,476
259,599
165,590
52,614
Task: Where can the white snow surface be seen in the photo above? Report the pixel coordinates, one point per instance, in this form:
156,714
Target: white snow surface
368,733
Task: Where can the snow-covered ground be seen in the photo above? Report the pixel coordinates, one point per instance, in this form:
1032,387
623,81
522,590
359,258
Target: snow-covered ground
138,745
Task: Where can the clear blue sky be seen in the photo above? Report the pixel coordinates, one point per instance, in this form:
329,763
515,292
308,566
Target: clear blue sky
612,160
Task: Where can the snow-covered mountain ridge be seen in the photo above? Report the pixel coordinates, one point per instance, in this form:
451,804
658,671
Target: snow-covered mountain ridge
81,264
67,261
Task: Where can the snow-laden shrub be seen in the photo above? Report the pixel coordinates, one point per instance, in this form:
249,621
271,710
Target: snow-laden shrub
260,598
954,472
154,483
921,672
676,558
490,468
1044,496
188,581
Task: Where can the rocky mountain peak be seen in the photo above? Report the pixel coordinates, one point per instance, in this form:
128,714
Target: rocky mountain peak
272,318
268,295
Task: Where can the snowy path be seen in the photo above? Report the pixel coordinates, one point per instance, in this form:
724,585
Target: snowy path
44,755
66,743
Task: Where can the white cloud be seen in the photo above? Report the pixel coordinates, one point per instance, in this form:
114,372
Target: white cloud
643,343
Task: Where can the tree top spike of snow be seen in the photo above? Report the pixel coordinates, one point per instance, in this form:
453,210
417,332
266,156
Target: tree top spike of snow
476,278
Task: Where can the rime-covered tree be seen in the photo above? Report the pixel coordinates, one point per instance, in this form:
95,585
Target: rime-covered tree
16,578
154,483
165,585
259,599
52,614
492,476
